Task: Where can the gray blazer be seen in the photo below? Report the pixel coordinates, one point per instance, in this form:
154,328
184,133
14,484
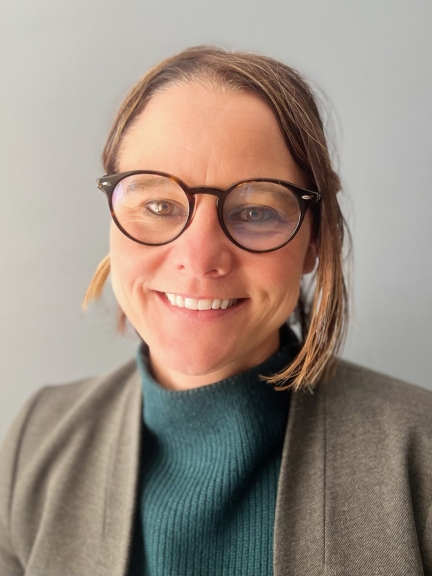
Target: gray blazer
354,496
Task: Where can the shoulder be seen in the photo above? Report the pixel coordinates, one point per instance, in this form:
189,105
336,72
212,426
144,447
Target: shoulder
67,406
372,393
67,419
365,409
361,407
348,372
52,405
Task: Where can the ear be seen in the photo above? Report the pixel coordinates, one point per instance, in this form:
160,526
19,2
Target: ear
310,258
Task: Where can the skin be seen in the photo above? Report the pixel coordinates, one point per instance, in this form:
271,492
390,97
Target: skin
211,137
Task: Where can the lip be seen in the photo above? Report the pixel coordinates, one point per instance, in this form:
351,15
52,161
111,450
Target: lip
201,315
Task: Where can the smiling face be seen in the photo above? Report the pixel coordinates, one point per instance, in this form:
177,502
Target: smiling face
208,137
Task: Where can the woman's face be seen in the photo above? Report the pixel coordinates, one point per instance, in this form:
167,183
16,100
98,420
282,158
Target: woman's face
208,137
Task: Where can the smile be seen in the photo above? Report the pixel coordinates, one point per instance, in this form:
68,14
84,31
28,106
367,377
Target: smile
194,304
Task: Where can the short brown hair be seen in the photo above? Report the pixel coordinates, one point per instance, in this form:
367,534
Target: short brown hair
323,315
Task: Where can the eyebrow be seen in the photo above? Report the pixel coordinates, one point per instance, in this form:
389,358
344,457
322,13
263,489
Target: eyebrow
143,184
270,190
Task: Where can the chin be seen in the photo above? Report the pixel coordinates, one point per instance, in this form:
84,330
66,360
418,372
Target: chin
190,363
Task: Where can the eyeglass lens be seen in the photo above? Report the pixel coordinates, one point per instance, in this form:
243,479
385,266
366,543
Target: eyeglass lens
154,209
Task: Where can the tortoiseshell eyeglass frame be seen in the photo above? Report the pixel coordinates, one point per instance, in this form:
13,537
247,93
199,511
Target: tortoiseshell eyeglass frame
305,199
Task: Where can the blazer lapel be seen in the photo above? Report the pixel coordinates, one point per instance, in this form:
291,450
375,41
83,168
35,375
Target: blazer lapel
299,545
121,485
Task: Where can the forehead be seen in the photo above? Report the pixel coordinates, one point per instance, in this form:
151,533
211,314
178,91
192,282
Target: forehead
205,133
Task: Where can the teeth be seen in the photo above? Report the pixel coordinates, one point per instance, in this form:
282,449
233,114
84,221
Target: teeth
171,298
193,304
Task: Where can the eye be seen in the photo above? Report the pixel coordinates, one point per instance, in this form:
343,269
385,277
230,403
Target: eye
259,214
254,214
162,208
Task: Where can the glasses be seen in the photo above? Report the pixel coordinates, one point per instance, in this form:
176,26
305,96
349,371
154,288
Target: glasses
257,214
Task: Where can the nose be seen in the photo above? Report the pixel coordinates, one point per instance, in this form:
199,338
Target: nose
203,250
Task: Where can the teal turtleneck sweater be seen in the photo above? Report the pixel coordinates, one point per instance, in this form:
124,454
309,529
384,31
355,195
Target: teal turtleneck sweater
210,467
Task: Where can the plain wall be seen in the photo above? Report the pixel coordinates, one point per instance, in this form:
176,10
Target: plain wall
64,68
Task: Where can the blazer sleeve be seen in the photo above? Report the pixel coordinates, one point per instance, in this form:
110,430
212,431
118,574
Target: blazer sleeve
10,562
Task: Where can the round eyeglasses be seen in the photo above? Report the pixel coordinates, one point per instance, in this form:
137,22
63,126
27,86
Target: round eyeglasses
257,214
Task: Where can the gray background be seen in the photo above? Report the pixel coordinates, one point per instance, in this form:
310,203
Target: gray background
65,67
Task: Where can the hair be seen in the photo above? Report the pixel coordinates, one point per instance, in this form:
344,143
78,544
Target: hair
322,312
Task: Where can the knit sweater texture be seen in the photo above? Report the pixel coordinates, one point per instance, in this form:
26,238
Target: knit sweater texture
211,460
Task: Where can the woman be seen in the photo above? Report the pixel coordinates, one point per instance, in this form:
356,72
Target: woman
223,196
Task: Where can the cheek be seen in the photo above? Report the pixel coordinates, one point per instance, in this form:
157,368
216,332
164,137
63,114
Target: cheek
284,271
120,256
287,279
289,262
128,265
